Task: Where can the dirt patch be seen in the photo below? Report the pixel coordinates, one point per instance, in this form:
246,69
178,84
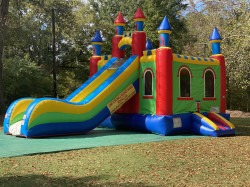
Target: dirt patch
238,114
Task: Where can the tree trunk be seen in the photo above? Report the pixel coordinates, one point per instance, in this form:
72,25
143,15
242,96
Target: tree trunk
4,7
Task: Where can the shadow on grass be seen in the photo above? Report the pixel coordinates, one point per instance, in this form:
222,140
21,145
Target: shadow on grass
94,133
242,126
243,131
46,180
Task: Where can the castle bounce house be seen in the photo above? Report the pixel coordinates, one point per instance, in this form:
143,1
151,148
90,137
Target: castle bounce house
154,90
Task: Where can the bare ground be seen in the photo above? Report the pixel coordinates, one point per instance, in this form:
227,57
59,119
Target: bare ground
238,114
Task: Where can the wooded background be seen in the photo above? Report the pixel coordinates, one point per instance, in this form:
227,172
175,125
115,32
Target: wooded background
26,40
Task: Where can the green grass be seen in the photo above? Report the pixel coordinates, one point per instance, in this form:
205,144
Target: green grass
242,125
187,162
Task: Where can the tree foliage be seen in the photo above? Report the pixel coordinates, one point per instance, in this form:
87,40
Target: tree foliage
4,7
106,12
27,59
23,78
232,18
155,12
29,37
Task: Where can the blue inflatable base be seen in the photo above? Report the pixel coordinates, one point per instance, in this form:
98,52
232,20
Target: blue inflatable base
164,125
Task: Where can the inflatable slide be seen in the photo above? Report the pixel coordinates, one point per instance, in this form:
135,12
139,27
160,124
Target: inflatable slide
211,124
83,110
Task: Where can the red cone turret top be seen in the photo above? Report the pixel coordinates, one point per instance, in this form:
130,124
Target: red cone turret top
139,16
119,21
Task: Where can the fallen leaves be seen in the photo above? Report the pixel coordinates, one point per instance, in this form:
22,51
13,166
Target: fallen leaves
186,162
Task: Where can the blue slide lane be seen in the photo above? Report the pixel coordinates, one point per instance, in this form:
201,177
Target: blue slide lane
91,79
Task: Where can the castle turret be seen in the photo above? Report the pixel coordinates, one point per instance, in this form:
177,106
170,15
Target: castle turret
215,40
97,48
139,36
138,46
97,43
139,19
164,64
149,47
164,30
119,24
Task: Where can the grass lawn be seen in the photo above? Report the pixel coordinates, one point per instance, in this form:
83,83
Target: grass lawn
187,162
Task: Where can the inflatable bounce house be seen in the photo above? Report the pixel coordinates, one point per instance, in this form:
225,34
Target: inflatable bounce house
154,90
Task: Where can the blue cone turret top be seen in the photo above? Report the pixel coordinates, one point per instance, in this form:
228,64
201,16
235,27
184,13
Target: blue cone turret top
215,36
149,45
97,42
97,37
215,40
164,30
165,26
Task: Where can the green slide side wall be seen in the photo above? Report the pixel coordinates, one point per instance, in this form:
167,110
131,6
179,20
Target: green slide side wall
197,89
147,105
17,118
58,117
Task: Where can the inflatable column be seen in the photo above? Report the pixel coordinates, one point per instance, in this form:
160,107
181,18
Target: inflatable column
164,80
139,36
119,23
97,43
215,40
138,46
